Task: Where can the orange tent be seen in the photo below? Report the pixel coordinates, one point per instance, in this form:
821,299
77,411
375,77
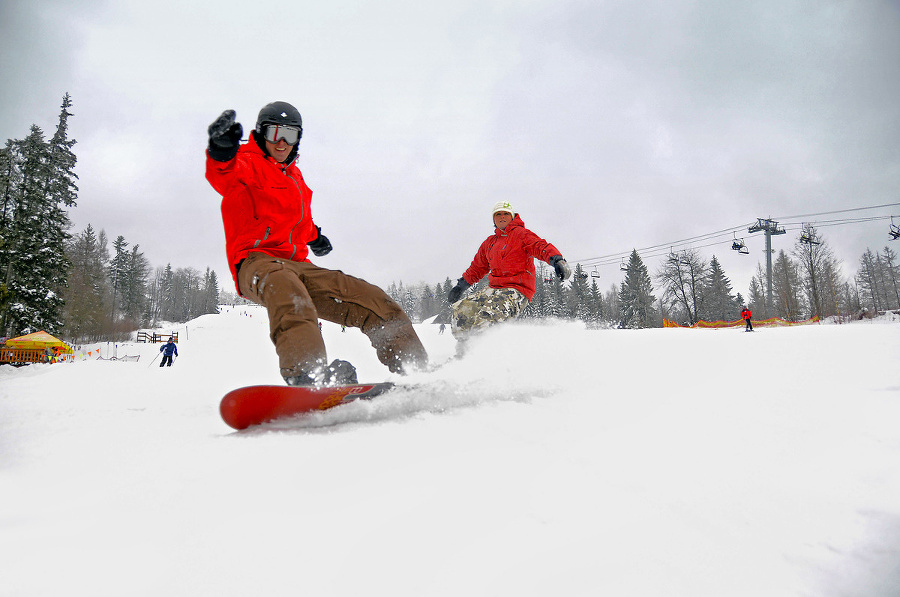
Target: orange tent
39,341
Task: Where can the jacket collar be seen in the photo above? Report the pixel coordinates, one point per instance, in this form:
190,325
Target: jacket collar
516,222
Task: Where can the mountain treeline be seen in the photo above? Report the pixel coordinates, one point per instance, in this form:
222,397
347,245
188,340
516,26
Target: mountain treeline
78,287
688,288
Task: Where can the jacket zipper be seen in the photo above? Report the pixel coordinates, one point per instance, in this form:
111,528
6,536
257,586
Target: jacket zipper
302,214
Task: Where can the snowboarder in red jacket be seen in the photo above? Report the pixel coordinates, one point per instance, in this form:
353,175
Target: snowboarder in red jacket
507,258
746,315
269,231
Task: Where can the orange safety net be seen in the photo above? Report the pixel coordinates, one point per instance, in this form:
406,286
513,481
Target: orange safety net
763,323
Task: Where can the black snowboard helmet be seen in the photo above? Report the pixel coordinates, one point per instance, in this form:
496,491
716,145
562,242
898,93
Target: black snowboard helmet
278,113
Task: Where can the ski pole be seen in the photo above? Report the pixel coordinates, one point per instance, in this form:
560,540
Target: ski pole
153,361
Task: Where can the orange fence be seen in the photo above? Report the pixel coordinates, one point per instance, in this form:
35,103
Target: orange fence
22,355
763,323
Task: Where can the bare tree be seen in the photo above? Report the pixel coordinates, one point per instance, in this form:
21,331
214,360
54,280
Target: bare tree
818,266
682,277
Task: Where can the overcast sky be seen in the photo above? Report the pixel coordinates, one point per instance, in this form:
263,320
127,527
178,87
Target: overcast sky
609,125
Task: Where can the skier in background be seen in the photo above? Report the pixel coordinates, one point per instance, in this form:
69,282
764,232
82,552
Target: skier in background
746,314
269,232
507,258
168,349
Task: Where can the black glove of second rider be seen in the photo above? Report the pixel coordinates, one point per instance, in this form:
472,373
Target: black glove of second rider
456,291
562,268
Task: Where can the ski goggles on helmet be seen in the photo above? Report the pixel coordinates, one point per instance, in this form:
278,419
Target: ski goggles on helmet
275,132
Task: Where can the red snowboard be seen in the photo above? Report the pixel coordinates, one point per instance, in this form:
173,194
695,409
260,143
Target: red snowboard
253,405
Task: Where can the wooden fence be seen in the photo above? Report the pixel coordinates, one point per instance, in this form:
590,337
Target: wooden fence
154,337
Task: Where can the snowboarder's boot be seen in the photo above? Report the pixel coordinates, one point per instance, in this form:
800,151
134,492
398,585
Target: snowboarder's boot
338,373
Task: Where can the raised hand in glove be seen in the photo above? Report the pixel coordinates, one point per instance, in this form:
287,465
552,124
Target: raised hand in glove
457,290
320,246
562,268
225,137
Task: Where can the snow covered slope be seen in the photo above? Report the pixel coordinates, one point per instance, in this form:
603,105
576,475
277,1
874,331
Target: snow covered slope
551,460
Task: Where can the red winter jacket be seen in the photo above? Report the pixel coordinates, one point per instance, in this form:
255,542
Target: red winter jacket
746,314
508,256
265,206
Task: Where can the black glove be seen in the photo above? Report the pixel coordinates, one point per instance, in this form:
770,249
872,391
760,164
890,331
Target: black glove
562,268
457,290
225,137
320,246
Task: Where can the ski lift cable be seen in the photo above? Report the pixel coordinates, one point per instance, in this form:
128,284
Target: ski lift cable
658,253
840,222
606,259
838,211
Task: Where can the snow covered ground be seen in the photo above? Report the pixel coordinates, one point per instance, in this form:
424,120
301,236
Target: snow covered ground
551,460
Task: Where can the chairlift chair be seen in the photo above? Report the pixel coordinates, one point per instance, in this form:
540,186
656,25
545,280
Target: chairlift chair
739,246
895,230
595,273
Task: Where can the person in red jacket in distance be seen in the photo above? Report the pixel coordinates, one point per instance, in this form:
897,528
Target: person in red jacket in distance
269,231
746,314
507,258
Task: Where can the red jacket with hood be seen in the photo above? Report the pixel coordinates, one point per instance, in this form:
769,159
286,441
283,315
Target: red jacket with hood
265,206
508,257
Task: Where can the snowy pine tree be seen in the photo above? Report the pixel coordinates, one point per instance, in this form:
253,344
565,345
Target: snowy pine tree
869,281
596,316
210,292
579,296
718,302
86,312
428,303
636,298
134,285
891,278
37,183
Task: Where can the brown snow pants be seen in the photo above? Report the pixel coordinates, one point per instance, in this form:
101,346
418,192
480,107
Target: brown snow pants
298,294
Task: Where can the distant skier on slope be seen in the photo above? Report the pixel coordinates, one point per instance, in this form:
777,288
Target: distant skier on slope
168,349
746,314
269,231
507,258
